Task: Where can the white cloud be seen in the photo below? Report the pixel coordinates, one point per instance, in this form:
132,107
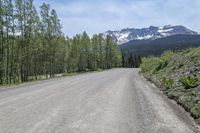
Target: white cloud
96,16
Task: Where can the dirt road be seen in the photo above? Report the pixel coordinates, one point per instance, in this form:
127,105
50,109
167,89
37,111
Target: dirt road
113,101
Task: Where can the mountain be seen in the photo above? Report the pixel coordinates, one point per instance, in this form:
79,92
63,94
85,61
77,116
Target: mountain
150,33
158,46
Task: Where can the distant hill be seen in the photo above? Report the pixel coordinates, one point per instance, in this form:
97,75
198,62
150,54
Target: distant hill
158,46
150,33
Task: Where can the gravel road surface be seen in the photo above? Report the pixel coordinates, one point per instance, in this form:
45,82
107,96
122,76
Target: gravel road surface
112,101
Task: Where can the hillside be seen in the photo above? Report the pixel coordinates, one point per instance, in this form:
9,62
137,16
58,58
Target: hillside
158,46
178,74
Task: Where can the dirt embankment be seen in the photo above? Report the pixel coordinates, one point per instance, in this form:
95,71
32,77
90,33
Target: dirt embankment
178,74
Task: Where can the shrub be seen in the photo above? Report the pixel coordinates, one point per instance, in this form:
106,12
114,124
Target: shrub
167,83
154,64
167,55
195,112
151,64
164,60
189,81
161,64
180,64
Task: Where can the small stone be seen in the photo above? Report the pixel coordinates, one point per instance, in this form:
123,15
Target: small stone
188,72
196,99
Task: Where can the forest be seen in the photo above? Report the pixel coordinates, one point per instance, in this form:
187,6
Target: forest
131,61
156,47
32,45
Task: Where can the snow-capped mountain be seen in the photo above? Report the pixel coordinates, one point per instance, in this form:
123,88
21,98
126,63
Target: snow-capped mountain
128,34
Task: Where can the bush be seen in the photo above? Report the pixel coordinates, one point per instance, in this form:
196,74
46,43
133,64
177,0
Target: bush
167,83
189,81
161,64
150,64
167,55
154,64
180,64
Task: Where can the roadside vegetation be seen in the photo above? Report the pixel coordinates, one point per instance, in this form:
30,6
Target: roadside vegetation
178,74
33,46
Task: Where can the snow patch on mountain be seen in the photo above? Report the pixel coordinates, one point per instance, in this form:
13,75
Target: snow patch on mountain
144,37
163,31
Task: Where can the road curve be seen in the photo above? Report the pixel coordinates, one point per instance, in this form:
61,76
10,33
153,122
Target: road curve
112,101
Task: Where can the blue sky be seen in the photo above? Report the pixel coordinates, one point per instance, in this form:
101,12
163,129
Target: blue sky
95,16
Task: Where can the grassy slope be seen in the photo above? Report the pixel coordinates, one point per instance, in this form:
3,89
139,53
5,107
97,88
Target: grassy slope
167,71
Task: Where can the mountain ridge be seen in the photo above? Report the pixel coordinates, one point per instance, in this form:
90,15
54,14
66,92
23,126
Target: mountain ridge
158,46
153,32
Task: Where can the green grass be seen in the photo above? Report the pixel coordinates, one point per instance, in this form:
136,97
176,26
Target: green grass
99,70
42,77
68,74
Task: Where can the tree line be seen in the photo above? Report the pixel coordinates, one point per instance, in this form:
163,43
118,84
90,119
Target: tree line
131,61
32,45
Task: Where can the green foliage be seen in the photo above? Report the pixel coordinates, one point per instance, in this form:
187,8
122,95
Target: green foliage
180,64
184,62
193,52
167,83
149,64
41,49
164,60
131,61
188,104
154,64
196,112
189,81
161,64
99,70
